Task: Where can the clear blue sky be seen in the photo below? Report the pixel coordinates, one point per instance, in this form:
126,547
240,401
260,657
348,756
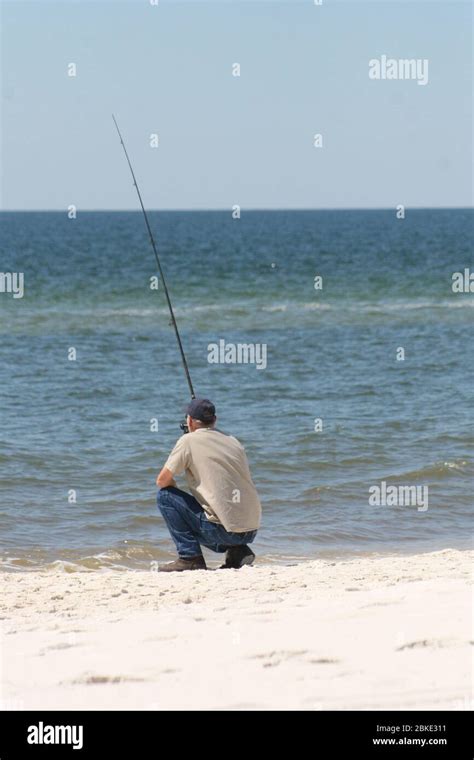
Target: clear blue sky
226,140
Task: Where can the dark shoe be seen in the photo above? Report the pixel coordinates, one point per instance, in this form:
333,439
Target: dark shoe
182,563
238,556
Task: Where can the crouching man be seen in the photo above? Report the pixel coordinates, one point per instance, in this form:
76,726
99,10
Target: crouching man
223,511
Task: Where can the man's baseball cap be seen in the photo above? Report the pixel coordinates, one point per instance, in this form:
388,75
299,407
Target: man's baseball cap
201,409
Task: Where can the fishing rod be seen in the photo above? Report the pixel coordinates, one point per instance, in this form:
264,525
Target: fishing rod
153,245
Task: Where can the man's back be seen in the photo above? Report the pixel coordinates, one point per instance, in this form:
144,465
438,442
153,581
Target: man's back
218,476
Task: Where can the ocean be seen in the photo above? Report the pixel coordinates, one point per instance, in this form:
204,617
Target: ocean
368,378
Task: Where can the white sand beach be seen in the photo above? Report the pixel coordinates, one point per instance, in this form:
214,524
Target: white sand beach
366,633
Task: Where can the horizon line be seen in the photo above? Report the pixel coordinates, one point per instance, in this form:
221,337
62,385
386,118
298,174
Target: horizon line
243,209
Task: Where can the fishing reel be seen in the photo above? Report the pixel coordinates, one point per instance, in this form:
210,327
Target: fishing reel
184,426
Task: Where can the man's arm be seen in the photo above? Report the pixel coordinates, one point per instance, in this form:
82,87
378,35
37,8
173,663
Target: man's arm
165,479
176,463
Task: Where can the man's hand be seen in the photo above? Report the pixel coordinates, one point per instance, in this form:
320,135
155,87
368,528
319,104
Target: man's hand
165,479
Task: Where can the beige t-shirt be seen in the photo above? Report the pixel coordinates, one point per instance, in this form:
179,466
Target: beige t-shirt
218,476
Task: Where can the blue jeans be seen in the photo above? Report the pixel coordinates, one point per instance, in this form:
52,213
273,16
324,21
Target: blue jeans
189,526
